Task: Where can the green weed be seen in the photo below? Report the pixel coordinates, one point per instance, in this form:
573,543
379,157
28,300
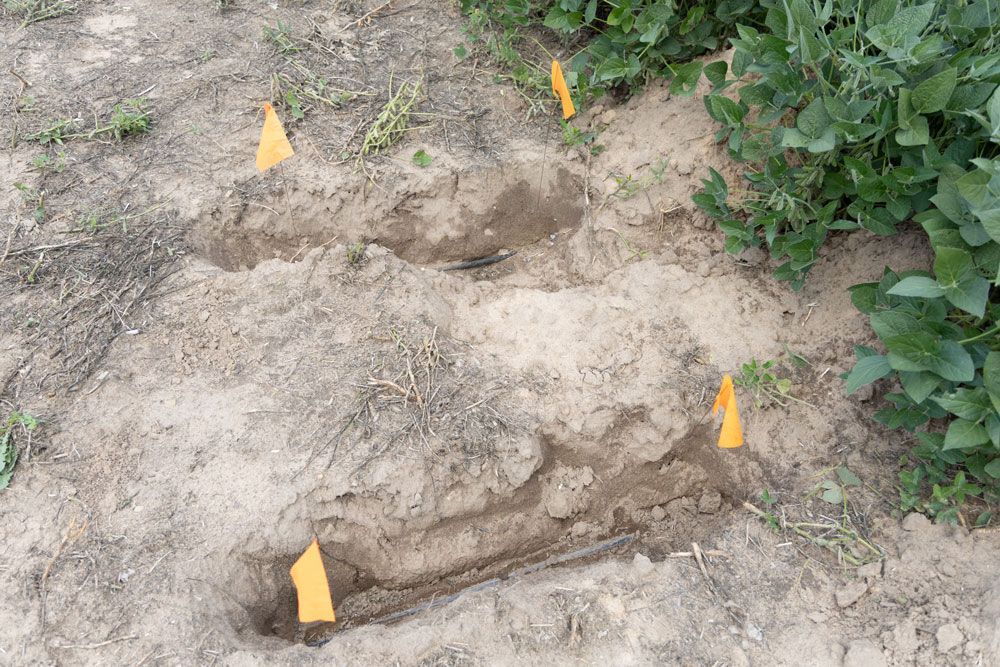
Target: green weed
761,379
128,118
33,11
46,162
33,199
16,422
356,253
280,36
300,87
55,132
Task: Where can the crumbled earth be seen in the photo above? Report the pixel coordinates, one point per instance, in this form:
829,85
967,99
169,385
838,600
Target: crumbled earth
228,364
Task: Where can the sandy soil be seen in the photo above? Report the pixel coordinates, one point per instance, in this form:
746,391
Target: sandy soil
225,372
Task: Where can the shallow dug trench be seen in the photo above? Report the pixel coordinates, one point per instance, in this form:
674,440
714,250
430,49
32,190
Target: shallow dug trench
565,513
397,539
454,217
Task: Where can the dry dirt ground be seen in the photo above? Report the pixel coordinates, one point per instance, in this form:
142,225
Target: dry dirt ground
227,364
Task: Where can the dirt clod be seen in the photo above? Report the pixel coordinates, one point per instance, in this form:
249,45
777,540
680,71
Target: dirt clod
864,653
949,637
851,593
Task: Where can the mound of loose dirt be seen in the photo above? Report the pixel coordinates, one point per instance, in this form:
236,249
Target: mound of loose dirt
535,432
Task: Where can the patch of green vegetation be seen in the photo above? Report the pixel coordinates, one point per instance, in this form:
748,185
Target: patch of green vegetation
624,41
356,253
422,159
869,116
129,117
33,11
47,162
16,422
299,86
391,123
280,36
34,199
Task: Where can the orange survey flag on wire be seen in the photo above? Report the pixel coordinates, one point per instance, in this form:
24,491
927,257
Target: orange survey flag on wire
274,146
559,88
309,577
732,433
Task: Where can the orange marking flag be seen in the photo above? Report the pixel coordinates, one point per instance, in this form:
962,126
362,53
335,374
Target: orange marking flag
732,433
309,577
274,146
559,88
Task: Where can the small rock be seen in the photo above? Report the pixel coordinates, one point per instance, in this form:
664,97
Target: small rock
738,658
710,502
949,637
850,594
865,393
658,513
817,617
608,117
204,316
581,528
863,653
642,565
915,521
946,568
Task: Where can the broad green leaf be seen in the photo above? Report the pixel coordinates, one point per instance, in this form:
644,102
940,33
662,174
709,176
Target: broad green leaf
993,468
917,286
716,72
915,133
932,95
918,385
848,478
686,77
971,404
866,371
913,351
911,21
990,220
963,434
955,363
991,378
792,138
832,492
890,323
724,110
962,285
813,120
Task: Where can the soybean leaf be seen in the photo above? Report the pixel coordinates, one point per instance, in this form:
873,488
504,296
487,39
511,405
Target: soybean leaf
932,95
962,285
963,434
716,72
971,404
866,371
918,385
991,378
917,286
848,478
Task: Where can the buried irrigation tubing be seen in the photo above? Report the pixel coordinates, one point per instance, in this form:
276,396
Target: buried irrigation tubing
558,559
482,261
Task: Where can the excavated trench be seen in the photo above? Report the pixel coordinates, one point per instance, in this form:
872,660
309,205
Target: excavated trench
604,511
443,219
575,502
